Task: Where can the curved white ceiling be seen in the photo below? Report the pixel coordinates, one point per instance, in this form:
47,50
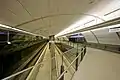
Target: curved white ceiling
47,17
105,10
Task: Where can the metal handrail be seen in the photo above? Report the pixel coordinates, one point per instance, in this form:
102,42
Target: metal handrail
13,75
38,61
61,53
22,71
70,65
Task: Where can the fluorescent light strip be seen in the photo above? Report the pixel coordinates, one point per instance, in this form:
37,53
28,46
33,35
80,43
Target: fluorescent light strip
8,27
5,26
113,26
77,25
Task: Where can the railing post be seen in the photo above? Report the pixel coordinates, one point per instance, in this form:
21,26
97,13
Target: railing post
81,55
70,43
49,45
77,59
76,62
73,44
62,69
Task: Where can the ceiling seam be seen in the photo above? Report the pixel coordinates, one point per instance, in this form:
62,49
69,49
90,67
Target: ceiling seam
95,36
35,30
11,11
55,15
57,8
24,8
112,12
49,23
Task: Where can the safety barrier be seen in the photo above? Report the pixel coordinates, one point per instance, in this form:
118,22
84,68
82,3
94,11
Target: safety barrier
34,69
70,65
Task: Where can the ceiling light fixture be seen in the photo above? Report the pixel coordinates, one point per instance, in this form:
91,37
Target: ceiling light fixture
19,30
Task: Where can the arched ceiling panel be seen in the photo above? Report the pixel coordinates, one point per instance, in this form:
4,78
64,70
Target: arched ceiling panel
103,11
106,37
39,8
61,22
15,12
36,8
89,37
33,26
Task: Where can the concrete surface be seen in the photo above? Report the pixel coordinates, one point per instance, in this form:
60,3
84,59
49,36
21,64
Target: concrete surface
99,65
45,70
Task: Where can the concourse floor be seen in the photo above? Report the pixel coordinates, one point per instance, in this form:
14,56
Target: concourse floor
99,65
45,69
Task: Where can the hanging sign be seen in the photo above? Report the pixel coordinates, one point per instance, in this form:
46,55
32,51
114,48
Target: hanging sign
116,29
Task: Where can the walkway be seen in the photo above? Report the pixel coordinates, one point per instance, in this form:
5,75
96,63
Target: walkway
99,65
45,69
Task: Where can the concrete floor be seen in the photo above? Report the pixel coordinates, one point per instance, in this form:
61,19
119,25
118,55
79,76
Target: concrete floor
45,70
96,65
99,65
